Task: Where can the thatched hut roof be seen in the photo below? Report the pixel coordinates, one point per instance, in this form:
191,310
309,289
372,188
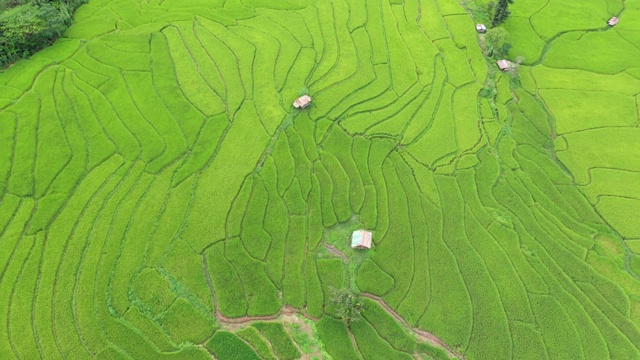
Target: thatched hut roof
361,239
504,65
302,102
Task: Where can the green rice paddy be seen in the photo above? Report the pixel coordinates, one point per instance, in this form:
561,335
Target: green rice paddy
160,198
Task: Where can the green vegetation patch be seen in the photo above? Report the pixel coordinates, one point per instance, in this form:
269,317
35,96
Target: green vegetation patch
186,324
388,327
153,291
279,339
154,175
371,279
225,345
258,342
334,334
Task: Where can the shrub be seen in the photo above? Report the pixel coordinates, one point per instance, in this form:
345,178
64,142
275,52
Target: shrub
348,305
27,28
496,42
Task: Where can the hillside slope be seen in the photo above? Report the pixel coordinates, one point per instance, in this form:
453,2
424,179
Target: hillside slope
161,198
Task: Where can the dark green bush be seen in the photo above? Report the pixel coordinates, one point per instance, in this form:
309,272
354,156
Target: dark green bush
26,27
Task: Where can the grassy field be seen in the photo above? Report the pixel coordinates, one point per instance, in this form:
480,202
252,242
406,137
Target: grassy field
161,198
587,76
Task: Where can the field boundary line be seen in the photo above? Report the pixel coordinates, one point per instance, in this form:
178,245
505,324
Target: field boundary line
428,337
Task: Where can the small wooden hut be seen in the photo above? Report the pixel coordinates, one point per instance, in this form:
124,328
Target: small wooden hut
504,65
613,21
361,239
302,102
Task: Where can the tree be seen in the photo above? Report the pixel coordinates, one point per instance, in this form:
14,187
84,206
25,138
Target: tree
496,43
501,12
27,26
348,305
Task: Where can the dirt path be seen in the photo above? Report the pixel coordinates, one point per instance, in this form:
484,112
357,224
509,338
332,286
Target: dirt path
286,312
289,314
423,335
292,318
332,249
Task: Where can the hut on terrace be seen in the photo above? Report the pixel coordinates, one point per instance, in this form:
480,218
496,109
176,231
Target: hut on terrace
504,65
613,21
481,28
302,102
361,239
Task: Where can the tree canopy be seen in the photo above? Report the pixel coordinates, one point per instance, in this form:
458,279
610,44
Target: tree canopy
501,12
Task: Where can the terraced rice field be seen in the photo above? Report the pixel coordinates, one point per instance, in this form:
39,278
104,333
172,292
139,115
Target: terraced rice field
589,78
160,197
